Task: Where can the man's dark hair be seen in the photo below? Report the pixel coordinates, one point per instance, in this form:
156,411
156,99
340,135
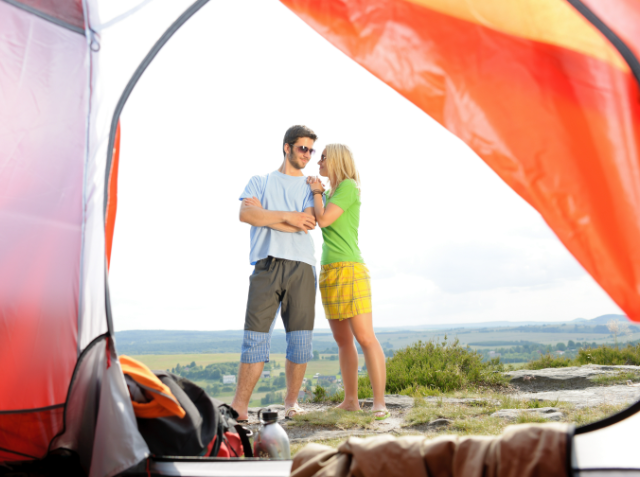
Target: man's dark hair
296,132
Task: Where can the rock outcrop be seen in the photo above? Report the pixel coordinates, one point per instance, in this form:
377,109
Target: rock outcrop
549,413
575,377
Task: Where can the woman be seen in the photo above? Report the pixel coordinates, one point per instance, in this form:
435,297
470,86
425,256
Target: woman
344,280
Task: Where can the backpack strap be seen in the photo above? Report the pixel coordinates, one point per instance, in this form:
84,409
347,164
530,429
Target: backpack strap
244,434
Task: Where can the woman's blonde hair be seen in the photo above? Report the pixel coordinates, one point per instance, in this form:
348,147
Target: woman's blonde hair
340,166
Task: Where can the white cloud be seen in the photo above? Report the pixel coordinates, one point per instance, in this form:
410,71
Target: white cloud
466,266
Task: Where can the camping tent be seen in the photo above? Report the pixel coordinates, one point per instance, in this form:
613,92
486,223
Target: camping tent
546,92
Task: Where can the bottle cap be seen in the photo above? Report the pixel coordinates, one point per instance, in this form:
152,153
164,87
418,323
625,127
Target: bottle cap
268,415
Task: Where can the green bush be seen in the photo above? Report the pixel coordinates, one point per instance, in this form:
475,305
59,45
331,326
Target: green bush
364,387
319,394
629,355
337,396
440,366
549,361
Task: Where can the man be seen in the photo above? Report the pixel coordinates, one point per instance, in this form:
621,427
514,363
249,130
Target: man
279,208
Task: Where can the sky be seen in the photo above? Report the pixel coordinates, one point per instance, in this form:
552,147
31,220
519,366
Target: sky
445,239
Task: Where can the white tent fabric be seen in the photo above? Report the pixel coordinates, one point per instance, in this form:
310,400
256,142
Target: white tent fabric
53,312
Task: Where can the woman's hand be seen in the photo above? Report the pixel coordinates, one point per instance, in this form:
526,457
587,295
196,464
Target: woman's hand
315,183
253,201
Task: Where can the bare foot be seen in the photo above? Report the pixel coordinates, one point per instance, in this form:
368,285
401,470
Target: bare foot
349,406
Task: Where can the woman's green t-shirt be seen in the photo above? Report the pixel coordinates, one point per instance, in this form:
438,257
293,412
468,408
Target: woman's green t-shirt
341,237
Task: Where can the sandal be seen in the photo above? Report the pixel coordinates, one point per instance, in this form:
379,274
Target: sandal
295,410
381,414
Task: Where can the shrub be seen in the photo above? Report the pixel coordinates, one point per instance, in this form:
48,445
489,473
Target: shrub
629,355
549,361
319,394
442,366
364,387
337,396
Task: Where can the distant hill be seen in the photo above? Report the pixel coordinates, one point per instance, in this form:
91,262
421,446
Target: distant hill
497,333
498,324
177,342
604,319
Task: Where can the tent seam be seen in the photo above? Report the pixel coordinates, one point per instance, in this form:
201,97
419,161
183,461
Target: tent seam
39,409
17,453
44,16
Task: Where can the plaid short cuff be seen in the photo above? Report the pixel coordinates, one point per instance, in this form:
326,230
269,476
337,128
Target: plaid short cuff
300,346
255,347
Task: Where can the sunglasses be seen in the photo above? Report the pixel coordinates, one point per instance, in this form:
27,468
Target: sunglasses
305,149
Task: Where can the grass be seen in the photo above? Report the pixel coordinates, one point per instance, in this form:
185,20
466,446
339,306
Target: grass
604,355
335,419
549,361
440,366
628,355
475,419
618,378
168,361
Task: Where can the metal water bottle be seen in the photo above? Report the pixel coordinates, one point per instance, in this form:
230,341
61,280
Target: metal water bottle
271,441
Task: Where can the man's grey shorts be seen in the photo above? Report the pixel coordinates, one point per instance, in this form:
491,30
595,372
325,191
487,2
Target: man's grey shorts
290,286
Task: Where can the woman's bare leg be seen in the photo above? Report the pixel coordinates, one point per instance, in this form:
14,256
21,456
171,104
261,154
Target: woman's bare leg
348,355
362,328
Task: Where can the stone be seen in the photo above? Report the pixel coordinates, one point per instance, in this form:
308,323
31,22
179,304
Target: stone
588,397
393,401
551,413
467,401
440,423
574,377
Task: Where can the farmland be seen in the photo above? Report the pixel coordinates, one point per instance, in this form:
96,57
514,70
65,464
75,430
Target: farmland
325,367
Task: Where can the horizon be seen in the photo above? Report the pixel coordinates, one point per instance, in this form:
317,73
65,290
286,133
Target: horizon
421,327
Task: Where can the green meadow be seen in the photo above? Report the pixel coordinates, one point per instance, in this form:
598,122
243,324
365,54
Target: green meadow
324,367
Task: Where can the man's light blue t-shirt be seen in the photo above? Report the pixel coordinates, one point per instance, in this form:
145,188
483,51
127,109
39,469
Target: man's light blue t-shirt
278,191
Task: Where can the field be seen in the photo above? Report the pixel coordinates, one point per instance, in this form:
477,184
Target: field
323,367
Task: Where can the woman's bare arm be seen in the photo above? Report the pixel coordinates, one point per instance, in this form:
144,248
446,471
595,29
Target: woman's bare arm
324,215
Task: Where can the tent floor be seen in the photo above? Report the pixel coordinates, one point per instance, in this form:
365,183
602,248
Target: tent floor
214,468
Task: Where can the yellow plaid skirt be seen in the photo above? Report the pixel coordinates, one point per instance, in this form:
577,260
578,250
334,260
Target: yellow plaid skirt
345,288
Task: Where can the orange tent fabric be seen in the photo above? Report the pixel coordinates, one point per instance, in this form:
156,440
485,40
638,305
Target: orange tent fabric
536,90
163,403
112,201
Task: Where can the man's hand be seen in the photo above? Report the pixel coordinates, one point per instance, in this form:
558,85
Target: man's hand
315,183
301,220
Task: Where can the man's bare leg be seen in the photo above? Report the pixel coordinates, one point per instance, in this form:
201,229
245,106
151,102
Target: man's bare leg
295,374
248,376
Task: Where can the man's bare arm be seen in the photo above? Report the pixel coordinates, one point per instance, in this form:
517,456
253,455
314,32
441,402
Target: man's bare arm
279,220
